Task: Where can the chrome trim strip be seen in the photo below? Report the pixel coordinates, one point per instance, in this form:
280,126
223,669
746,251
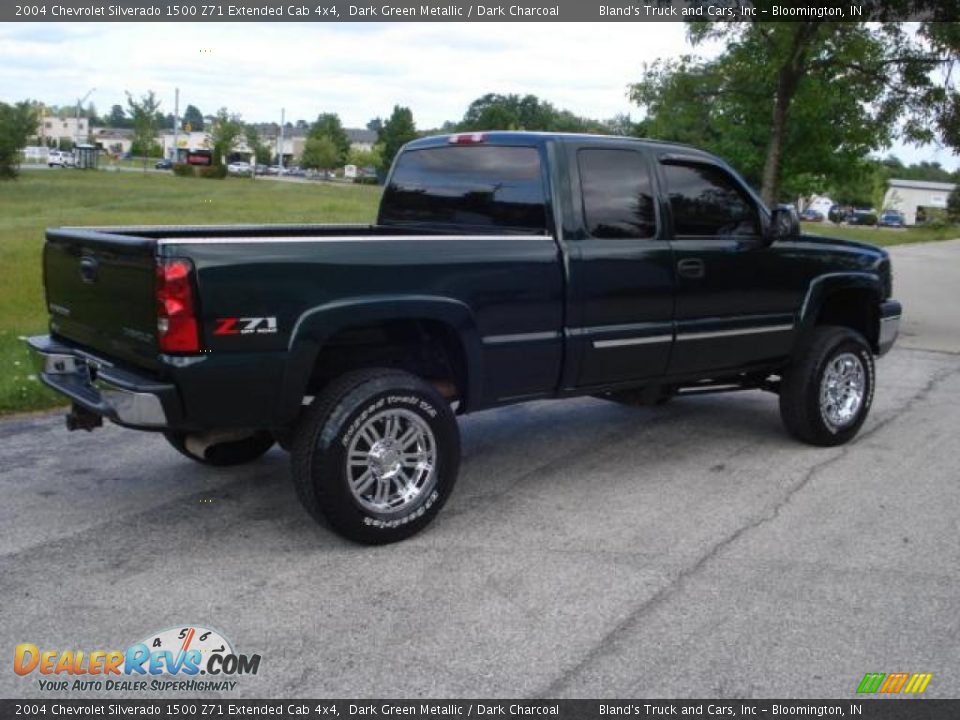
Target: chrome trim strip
890,318
343,239
733,333
625,342
520,338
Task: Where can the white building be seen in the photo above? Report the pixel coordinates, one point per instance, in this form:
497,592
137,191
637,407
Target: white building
909,196
56,129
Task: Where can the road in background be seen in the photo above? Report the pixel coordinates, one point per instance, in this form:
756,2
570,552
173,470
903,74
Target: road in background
589,549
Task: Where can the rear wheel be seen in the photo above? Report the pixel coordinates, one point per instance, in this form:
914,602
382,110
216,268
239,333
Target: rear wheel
221,450
827,391
376,455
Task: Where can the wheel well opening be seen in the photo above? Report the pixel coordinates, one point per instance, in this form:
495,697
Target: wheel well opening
852,308
427,348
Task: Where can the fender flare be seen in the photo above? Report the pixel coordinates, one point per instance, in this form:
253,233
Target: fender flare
823,286
317,325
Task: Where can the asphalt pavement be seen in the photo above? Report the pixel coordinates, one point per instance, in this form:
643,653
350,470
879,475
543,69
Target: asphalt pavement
589,550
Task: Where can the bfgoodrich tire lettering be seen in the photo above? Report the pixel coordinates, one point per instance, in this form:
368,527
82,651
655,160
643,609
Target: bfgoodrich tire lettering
808,395
376,455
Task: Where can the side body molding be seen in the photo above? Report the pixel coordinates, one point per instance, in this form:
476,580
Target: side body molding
315,326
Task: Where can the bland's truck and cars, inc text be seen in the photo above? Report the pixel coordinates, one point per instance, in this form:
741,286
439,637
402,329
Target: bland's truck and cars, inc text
503,267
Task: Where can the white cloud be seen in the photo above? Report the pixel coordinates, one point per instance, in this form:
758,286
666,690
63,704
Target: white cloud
357,70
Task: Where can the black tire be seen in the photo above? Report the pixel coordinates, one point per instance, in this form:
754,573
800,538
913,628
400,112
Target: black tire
332,422
224,454
800,390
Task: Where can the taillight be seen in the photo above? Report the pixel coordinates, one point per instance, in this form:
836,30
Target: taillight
177,328
467,138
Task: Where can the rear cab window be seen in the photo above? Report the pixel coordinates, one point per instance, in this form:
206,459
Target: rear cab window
483,187
617,193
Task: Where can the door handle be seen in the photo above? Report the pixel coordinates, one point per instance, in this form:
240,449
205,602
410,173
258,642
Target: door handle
691,268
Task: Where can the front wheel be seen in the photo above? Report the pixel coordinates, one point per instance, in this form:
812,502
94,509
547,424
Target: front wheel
376,455
827,391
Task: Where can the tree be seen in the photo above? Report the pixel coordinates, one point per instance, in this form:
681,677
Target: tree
320,153
143,114
225,133
365,158
375,124
795,99
398,130
117,118
17,123
953,205
328,126
261,151
193,118
527,112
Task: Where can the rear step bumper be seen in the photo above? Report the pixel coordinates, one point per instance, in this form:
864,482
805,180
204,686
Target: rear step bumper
125,397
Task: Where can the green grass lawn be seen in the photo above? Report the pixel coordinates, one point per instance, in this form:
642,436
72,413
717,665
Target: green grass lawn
882,236
45,198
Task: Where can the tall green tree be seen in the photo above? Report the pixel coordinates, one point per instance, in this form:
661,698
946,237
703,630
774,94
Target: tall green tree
17,123
802,100
320,153
261,151
193,118
117,118
225,133
143,116
398,130
522,112
328,126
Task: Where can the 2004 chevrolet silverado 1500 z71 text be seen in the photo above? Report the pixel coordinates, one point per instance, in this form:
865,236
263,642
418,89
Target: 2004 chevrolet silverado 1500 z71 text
503,267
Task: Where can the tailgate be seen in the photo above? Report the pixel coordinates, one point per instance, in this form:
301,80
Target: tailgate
100,291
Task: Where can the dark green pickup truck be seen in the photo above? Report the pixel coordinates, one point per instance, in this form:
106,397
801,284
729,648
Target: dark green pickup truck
503,267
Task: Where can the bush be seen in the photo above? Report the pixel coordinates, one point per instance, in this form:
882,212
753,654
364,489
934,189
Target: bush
183,170
212,172
366,180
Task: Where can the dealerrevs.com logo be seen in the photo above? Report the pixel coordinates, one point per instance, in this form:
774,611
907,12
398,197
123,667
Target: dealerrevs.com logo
190,658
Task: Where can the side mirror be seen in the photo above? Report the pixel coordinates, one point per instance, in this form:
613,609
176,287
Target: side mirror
784,224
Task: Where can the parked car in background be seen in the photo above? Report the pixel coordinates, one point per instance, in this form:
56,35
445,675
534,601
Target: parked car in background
239,168
57,158
892,219
809,215
165,164
861,217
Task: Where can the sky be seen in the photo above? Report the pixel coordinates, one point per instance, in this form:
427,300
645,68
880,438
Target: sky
358,70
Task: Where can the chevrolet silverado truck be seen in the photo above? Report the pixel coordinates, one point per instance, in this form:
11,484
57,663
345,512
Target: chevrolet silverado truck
503,267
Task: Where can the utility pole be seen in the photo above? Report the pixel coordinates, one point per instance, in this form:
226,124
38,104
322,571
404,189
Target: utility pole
76,128
176,124
283,114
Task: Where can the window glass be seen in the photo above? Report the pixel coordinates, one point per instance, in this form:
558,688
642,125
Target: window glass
474,185
617,194
705,201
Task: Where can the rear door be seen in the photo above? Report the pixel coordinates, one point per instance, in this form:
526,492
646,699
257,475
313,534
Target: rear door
100,292
621,269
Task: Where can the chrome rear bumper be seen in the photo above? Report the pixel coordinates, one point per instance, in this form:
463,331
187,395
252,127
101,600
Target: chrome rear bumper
122,396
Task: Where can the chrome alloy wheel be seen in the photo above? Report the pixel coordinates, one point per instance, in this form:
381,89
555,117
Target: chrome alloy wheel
391,461
842,390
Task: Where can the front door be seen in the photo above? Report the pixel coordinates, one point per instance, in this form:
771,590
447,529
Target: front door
733,306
